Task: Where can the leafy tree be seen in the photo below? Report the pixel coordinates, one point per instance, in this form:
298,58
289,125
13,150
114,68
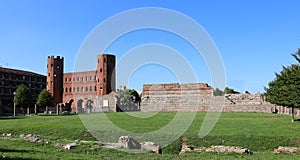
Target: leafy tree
228,90
218,92
128,96
44,99
284,90
23,97
134,96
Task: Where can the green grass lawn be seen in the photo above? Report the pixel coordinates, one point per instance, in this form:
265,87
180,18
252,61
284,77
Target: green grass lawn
259,132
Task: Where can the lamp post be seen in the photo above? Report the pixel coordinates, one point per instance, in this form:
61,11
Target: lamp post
14,104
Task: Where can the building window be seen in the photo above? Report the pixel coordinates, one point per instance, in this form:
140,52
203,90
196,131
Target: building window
91,88
66,89
66,79
70,79
100,69
82,89
74,78
104,80
86,89
70,89
74,90
77,89
86,78
95,88
100,87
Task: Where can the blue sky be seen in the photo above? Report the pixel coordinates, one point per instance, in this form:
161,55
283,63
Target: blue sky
254,37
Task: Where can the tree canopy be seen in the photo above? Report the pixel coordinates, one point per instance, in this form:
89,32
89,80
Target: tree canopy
128,96
228,90
218,92
284,90
44,99
23,97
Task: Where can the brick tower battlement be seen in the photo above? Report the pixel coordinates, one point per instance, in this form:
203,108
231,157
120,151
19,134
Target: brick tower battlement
55,73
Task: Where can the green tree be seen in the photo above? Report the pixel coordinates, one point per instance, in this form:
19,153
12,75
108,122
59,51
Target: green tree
23,97
134,96
284,90
124,97
247,92
228,90
218,92
127,96
44,99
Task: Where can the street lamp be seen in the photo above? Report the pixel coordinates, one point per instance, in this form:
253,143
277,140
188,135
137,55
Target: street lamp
14,104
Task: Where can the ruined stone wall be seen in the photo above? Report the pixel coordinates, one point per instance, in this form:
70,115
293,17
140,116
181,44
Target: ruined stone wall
198,97
175,97
105,103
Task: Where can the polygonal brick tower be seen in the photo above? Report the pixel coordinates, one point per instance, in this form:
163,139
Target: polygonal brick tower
55,73
106,78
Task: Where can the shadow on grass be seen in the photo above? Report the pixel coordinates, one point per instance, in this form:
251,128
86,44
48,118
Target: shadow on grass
3,150
71,114
16,158
14,150
11,117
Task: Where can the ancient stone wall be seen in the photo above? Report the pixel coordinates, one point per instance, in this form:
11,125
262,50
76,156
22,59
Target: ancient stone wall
175,97
197,97
105,103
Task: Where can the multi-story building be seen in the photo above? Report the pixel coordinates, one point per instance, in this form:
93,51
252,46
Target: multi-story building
10,79
81,91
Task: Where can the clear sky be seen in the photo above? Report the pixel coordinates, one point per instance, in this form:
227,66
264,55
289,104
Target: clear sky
254,37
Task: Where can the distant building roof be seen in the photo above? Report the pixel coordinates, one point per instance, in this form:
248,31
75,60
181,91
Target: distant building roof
16,71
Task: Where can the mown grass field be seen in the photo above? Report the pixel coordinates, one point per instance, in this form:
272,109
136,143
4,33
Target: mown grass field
259,132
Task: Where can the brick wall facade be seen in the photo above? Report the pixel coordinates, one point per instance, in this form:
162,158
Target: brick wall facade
79,90
55,68
10,79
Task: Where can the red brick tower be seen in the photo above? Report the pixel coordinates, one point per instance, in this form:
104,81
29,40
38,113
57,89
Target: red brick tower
55,72
106,78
